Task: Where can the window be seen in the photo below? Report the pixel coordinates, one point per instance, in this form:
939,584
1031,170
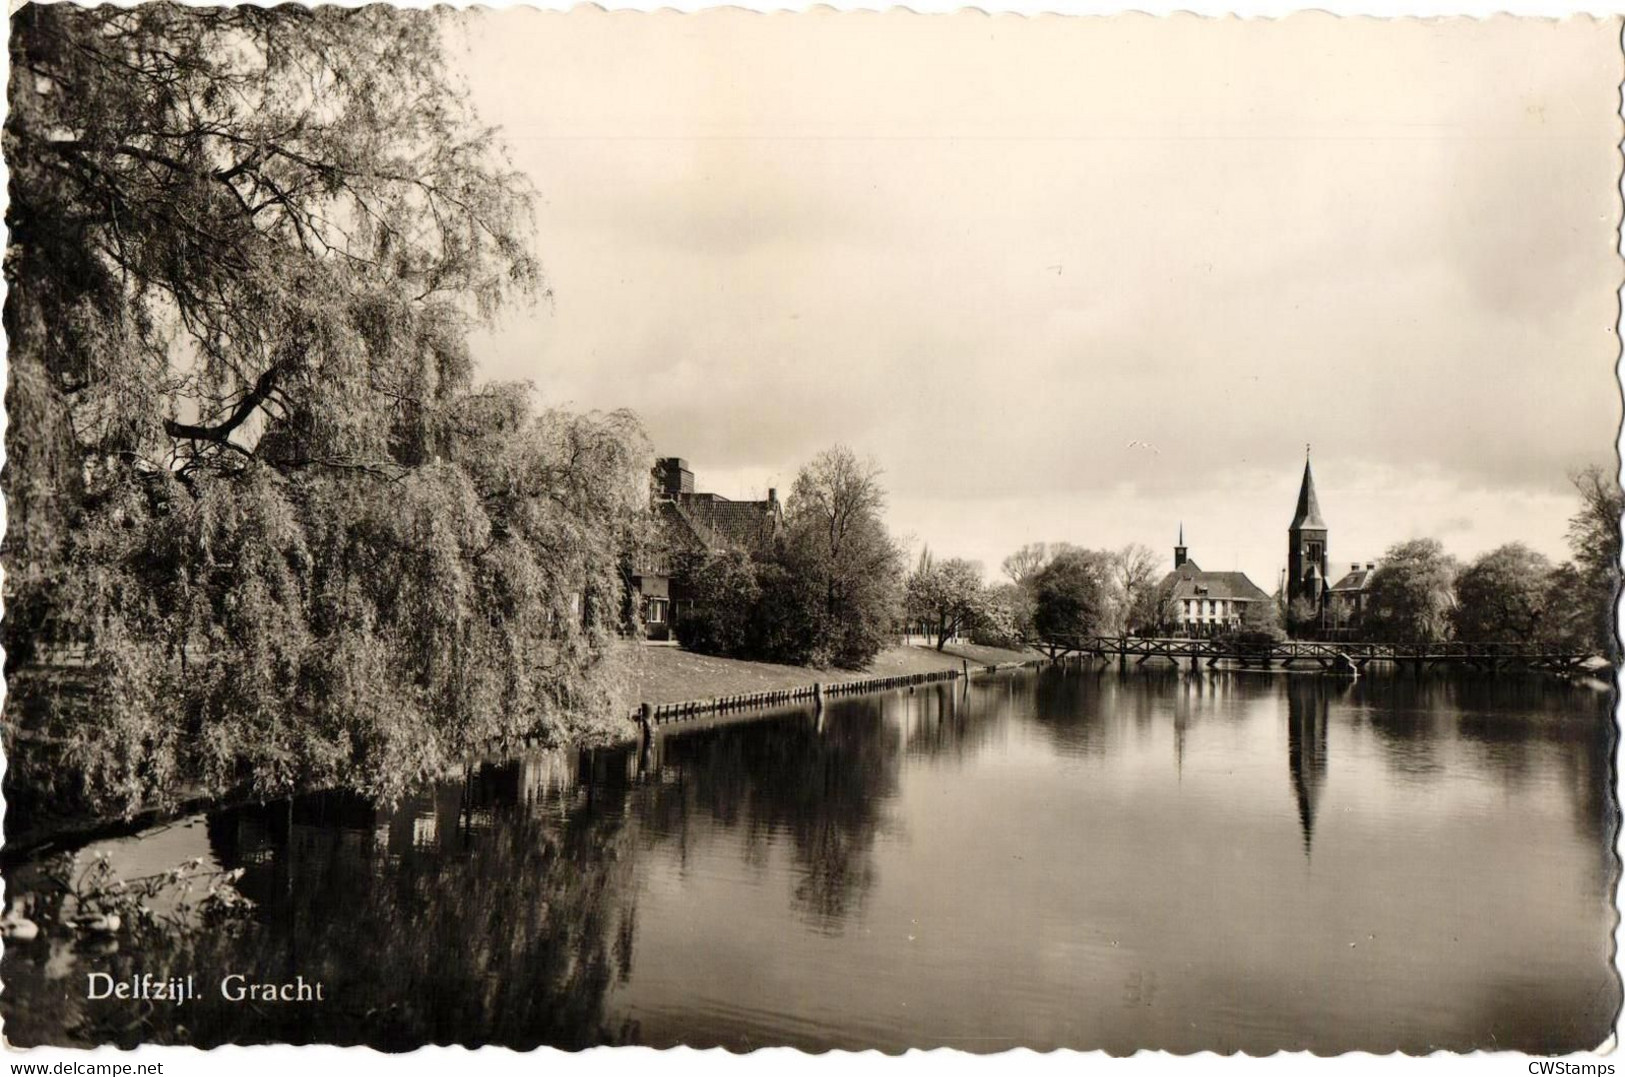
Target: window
657,611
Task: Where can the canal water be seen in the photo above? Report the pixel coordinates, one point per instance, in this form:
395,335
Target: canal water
1062,858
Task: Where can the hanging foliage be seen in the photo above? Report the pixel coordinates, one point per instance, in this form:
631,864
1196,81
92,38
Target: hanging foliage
264,529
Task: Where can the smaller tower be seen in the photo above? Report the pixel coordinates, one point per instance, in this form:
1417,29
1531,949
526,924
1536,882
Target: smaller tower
1179,551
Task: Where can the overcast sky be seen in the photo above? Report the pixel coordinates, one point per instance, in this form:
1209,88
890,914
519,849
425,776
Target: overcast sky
1083,279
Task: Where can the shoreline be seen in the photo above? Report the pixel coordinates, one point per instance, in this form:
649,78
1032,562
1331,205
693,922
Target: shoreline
669,677
675,684
663,674
756,685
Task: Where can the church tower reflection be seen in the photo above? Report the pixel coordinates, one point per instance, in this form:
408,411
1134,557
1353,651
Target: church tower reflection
1307,707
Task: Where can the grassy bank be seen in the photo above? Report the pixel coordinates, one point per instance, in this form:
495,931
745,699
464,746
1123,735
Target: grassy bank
672,675
661,674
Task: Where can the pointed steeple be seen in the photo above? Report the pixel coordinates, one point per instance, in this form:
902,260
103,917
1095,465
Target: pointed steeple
1308,514
1180,552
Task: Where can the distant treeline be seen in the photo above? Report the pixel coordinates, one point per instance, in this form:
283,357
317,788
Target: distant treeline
1512,594
768,603
1418,592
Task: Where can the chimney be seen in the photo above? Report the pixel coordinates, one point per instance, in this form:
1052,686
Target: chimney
1371,566
1355,567
772,496
673,475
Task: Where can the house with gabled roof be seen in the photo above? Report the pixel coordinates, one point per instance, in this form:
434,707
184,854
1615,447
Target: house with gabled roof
1351,595
1206,602
693,522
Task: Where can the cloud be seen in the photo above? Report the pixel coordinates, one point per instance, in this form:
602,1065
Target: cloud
1002,254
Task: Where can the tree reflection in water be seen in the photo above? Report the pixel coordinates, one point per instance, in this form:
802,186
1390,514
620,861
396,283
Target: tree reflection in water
958,721
822,778
1072,707
493,910
1509,725
503,907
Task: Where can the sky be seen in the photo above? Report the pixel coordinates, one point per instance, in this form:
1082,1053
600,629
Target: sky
1082,279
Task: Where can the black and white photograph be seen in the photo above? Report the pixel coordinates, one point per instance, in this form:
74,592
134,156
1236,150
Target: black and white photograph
843,531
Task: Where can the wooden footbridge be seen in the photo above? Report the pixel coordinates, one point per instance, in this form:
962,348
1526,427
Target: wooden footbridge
1333,656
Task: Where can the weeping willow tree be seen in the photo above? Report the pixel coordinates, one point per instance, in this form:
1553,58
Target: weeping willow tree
257,504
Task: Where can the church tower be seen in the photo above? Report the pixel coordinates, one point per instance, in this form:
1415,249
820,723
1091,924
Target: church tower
1307,561
1180,550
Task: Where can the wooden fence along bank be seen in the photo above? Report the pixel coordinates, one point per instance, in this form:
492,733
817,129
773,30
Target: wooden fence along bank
650,715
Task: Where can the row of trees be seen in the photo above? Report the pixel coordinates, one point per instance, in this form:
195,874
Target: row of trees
252,486
831,588
823,592
1051,589
1420,593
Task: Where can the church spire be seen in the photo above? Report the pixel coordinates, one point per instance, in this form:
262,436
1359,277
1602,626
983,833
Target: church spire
1308,514
1180,551
1307,562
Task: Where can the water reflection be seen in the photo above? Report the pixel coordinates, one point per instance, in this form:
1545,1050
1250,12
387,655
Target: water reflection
1070,858
818,779
1307,709
463,915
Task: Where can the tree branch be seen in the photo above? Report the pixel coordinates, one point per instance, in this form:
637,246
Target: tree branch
221,432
